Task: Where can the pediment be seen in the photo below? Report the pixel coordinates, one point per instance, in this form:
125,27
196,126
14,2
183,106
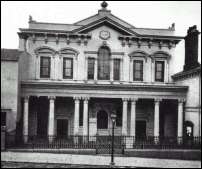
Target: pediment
105,22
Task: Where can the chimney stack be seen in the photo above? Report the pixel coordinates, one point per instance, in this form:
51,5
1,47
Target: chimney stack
191,49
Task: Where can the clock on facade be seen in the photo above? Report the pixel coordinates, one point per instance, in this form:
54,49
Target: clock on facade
104,35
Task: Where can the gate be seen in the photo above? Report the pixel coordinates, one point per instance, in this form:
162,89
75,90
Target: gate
104,145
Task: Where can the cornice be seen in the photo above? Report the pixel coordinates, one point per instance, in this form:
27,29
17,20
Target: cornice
114,87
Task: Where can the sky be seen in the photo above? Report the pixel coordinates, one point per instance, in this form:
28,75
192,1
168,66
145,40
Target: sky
141,14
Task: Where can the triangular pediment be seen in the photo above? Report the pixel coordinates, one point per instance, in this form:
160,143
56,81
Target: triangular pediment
105,21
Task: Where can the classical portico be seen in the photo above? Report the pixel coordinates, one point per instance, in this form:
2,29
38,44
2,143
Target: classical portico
80,110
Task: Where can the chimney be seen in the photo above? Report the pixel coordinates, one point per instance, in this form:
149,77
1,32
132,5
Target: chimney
191,49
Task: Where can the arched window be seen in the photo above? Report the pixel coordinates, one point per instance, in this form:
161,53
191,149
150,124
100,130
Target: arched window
104,63
102,120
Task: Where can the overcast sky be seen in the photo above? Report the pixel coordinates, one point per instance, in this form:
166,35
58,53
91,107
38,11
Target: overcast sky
147,14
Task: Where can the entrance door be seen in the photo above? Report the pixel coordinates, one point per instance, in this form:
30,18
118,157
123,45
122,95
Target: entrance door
140,129
62,128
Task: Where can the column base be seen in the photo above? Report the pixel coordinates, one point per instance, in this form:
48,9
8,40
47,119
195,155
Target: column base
25,139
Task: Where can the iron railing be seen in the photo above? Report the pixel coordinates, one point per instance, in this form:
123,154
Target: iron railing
102,142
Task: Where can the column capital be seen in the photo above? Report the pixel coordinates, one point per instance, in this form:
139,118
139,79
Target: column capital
181,100
134,100
157,100
85,98
77,98
125,99
51,97
26,98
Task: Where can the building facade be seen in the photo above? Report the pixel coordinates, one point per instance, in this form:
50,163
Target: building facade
76,75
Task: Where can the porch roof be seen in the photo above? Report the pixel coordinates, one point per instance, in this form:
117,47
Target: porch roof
103,90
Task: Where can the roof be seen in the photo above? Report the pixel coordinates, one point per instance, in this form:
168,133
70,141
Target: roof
187,74
102,16
10,54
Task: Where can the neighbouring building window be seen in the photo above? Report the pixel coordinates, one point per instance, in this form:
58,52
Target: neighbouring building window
137,70
3,118
159,71
45,66
67,68
117,69
104,63
91,66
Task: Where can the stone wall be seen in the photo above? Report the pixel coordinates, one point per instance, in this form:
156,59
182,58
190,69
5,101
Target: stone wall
9,92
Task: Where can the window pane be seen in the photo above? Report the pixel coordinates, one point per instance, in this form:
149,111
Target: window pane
117,69
68,63
45,71
67,68
68,72
104,63
158,75
137,75
137,70
159,71
159,66
91,62
45,62
45,67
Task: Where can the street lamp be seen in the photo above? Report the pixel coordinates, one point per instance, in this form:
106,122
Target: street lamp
113,117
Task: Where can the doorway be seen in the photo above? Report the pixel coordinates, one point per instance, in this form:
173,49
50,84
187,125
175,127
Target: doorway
62,128
140,129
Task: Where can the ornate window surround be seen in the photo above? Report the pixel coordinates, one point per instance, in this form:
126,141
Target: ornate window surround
141,56
94,54
161,56
68,53
44,51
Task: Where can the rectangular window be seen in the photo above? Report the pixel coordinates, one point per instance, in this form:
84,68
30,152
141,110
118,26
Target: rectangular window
91,67
45,67
3,118
67,68
137,70
159,71
117,69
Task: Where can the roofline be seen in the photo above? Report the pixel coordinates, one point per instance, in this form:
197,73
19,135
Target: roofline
186,74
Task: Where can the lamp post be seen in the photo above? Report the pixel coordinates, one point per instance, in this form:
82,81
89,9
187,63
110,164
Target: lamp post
113,117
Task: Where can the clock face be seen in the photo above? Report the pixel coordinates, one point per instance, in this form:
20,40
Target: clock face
104,35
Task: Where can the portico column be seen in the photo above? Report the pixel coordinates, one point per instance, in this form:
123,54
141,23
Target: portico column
133,117
76,115
156,119
180,120
85,116
124,118
51,118
25,119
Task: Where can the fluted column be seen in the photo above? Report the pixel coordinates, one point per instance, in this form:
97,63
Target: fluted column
133,117
25,119
76,115
180,120
156,118
124,116
51,119
85,116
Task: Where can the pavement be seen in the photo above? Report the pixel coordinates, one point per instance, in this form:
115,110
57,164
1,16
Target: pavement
95,160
